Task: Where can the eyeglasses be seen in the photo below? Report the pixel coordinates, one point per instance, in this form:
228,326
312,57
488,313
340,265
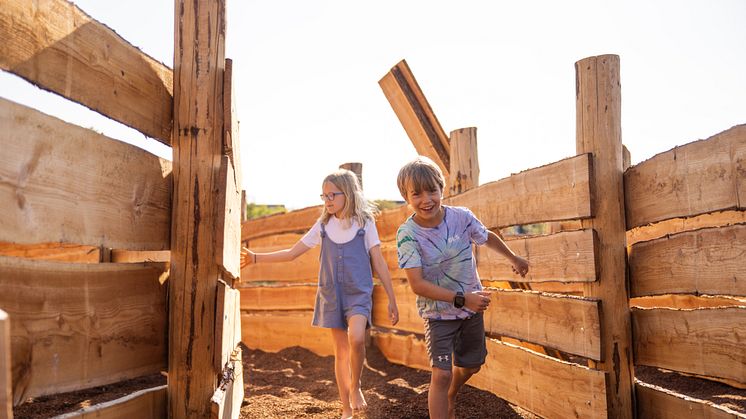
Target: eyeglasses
330,196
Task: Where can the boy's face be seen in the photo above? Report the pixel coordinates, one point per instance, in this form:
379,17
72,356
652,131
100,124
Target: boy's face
426,205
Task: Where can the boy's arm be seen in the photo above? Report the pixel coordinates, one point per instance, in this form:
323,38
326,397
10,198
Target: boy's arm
248,257
382,270
494,242
476,301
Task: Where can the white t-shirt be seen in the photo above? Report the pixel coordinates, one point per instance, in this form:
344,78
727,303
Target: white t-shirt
338,234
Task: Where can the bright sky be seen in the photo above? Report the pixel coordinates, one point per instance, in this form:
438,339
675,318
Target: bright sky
307,80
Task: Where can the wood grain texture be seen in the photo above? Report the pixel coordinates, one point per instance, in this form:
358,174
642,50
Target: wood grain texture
55,187
57,47
599,132
656,402
706,341
259,330
281,297
679,225
561,257
402,349
198,148
144,404
416,116
6,387
290,222
707,261
82,325
699,177
522,198
532,381
61,252
464,161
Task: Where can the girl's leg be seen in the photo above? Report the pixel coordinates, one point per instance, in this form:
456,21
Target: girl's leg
356,336
342,369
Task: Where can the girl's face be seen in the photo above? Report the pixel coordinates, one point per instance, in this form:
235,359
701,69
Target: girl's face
426,206
334,199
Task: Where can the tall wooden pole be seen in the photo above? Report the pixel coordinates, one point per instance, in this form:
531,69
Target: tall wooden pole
464,171
199,62
356,168
598,113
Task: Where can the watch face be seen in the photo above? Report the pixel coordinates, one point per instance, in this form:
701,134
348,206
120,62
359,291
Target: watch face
459,301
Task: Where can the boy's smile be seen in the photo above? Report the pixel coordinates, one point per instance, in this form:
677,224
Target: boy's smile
426,206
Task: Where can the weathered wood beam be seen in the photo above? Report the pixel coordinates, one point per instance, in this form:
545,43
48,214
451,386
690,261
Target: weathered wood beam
6,393
702,176
598,124
464,161
143,404
656,402
63,252
402,349
55,188
259,330
707,261
416,115
294,221
199,63
82,325
281,297
56,46
705,341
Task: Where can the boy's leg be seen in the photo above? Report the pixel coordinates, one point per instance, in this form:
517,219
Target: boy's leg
437,396
469,353
439,337
356,339
342,369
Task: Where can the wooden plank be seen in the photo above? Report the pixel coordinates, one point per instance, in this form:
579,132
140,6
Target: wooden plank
283,297
226,402
678,225
61,252
530,380
464,161
137,256
228,245
522,197
599,132
144,404
82,325
388,221
6,394
706,341
57,47
686,301
657,402
294,221
198,147
58,189
707,261
402,349
565,256
259,330
699,177
303,269
416,116
228,324
569,324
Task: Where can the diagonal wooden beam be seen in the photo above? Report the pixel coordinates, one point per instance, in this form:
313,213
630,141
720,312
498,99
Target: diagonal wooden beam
416,115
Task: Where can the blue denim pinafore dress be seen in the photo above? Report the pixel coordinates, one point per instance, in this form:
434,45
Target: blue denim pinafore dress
345,282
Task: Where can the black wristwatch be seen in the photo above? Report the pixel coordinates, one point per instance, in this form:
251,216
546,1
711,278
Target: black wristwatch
459,300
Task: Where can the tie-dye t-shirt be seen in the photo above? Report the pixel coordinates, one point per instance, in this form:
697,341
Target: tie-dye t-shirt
445,255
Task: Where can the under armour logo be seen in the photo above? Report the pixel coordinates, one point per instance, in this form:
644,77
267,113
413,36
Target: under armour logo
443,358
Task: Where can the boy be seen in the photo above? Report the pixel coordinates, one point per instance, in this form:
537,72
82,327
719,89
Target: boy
434,249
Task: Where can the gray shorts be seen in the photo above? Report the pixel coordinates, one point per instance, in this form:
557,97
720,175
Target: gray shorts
456,342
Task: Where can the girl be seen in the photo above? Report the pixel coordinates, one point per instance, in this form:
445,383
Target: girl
349,242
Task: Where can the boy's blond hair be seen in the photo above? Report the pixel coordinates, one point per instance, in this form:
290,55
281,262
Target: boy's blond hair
356,206
421,174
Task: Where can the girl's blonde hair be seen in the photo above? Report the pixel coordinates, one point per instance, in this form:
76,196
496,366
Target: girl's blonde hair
356,206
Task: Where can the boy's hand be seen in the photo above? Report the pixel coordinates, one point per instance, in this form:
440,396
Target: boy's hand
520,266
477,301
393,313
247,257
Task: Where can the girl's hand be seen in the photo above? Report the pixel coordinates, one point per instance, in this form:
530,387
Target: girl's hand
477,301
393,313
520,266
247,257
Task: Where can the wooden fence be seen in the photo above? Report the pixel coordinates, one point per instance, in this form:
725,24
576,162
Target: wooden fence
550,345
95,232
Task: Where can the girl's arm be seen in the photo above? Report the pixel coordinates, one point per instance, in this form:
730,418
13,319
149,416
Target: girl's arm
494,242
248,257
382,270
474,301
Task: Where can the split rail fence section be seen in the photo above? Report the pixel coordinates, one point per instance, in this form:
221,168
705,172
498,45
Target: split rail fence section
86,226
548,351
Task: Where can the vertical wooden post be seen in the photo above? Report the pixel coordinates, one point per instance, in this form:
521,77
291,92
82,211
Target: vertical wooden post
598,114
199,61
6,396
356,168
464,161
